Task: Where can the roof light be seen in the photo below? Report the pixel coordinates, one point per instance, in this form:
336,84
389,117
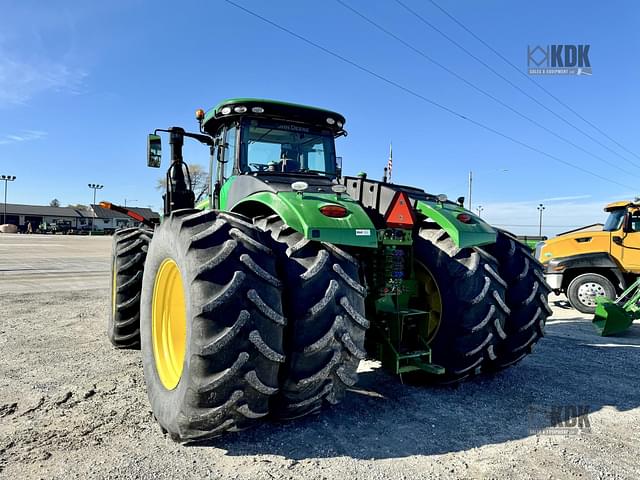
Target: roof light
225,111
299,186
338,188
442,198
240,109
330,121
257,109
465,218
199,114
400,214
334,211
340,124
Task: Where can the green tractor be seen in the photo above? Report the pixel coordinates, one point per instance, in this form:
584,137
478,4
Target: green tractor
262,301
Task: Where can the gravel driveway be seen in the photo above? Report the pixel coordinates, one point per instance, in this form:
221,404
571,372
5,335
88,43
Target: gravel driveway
73,407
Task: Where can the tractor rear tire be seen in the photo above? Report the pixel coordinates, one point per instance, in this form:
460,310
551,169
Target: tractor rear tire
472,299
231,343
324,301
526,297
128,254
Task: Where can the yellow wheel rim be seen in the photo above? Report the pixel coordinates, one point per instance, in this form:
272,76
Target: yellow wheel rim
169,324
430,295
114,293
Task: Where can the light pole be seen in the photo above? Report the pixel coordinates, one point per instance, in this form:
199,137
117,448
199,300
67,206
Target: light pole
95,187
480,209
6,178
470,184
130,200
541,208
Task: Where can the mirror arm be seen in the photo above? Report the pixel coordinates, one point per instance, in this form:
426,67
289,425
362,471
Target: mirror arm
201,137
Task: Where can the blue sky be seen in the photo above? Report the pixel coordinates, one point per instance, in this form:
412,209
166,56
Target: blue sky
82,83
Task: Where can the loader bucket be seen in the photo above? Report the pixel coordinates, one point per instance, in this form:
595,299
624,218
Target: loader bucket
610,318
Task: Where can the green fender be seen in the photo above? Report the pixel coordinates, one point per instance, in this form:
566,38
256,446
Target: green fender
473,234
301,211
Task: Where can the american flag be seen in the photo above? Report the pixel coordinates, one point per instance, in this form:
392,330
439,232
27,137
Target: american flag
390,162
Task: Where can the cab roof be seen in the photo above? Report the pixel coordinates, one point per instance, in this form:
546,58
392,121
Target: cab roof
260,107
620,204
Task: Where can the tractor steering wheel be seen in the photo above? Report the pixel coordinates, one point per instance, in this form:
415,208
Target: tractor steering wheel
261,167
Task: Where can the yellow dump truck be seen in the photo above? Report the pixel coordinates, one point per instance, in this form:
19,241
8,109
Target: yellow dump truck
587,264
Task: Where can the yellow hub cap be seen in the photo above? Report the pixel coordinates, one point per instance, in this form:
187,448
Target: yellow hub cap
431,295
169,324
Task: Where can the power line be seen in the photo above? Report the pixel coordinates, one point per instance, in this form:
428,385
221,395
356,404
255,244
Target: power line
422,97
557,115
528,77
475,87
536,225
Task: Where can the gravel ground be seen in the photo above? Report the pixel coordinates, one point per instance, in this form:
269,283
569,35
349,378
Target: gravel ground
72,407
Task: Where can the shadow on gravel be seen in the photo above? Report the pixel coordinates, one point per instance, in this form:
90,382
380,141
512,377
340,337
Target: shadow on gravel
382,418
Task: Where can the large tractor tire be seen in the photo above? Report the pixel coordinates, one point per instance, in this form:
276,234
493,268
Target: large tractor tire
463,290
323,300
211,324
526,298
128,253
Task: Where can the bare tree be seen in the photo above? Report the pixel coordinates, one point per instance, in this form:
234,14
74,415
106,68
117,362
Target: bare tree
199,181
54,203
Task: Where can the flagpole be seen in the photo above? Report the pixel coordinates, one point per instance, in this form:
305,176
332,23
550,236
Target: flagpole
390,162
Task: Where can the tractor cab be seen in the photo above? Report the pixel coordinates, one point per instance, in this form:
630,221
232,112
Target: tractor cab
255,136
271,142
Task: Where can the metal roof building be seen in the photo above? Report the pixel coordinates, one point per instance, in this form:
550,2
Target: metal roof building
97,218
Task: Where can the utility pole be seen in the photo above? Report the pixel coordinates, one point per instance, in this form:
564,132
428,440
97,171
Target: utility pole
95,187
130,200
470,185
480,209
6,178
541,208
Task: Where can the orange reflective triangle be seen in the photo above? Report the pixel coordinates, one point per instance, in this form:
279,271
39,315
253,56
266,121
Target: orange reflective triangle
400,213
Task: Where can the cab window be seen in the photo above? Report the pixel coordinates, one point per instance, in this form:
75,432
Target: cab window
230,151
614,220
635,221
286,147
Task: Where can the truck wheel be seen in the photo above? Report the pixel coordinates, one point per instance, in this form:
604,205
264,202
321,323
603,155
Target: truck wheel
526,297
324,302
584,289
465,296
211,324
128,253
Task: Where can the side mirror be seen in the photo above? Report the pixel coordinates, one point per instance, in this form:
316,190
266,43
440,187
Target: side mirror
154,151
339,167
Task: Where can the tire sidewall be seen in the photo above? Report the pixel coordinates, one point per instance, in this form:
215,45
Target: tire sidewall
166,404
115,243
112,285
572,290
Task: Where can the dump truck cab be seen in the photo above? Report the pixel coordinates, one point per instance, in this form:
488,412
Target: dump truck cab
587,264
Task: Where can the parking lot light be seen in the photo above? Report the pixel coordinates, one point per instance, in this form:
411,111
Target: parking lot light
95,187
7,179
